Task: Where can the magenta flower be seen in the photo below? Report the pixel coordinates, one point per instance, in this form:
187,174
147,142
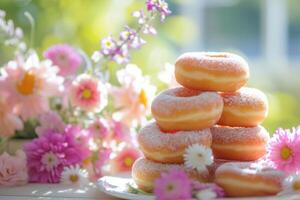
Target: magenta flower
197,186
99,128
65,57
174,184
284,151
49,154
81,139
13,169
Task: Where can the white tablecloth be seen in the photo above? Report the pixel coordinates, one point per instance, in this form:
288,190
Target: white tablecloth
52,191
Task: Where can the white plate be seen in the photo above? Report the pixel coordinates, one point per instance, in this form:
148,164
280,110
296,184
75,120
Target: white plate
118,187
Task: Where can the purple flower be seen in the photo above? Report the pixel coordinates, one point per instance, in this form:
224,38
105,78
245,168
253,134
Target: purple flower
49,154
65,57
140,16
174,184
197,186
121,55
160,6
108,45
148,29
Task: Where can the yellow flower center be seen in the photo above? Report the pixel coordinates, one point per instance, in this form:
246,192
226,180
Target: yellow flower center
143,98
285,153
86,94
86,162
26,85
170,187
108,43
296,185
74,178
128,161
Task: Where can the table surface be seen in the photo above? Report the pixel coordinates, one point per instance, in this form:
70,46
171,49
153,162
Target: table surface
53,191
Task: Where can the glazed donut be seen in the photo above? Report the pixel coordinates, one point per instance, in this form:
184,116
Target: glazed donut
246,107
239,143
145,172
214,166
184,109
169,148
217,71
245,179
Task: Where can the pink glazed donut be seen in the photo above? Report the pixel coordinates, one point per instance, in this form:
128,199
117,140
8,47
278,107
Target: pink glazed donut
169,148
214,71
182,109
245,179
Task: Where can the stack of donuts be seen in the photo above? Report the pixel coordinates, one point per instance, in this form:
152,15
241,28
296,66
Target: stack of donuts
215,110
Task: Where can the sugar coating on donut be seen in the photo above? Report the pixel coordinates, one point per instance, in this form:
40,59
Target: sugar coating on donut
251,97
148,168
152,137
147,165
221,61
239,135
251,169
178,99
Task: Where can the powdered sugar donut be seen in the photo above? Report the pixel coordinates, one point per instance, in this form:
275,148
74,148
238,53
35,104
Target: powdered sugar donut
184,109
225,72
145,172
169,148
239,143
246,107
241,179
214,166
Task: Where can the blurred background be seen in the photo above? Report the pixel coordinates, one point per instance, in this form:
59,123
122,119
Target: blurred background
265,32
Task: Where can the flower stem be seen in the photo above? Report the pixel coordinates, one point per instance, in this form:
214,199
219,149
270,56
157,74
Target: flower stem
32,28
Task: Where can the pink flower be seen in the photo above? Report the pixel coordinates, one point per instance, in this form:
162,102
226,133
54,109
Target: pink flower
284,151
30,84
50,121
49,154
174,184
9,122
13,169
103,156
66,58
82,139
120,132
133,98
99,128
88,93
197,186
124,160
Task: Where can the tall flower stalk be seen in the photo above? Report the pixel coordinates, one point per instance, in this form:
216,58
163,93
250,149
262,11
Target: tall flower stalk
118,49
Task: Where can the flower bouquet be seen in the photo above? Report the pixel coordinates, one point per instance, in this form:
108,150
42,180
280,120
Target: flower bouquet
78,126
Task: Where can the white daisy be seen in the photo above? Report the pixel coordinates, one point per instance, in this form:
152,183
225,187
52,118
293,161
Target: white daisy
291,183
206,194
198,156
74,175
